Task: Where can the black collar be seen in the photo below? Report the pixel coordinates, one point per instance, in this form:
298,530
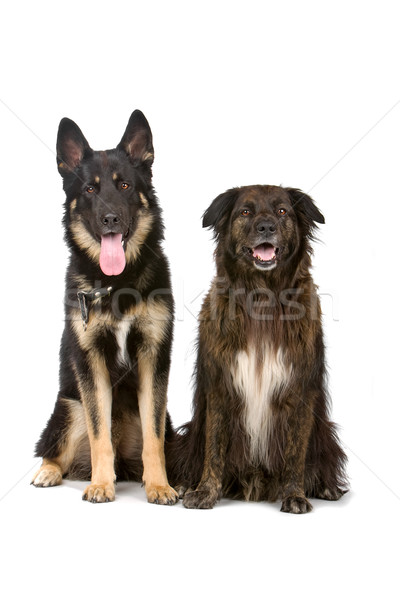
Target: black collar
85,298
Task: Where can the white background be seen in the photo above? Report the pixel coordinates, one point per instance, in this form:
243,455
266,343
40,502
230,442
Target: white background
304,94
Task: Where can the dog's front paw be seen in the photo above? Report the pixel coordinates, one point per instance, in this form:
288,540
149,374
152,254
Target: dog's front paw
200,498
161,494
98,493
297,505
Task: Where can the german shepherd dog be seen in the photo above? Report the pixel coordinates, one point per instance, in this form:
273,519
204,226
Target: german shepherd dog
110,417
260,429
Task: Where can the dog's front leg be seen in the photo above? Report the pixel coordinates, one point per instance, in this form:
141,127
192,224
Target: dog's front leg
96,395
299,426
209,489
152,395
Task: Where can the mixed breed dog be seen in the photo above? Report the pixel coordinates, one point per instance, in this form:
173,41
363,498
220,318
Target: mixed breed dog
260,428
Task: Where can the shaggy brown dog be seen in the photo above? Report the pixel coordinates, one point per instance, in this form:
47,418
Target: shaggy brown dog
260,429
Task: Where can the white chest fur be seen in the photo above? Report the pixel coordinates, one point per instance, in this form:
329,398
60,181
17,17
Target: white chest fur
257,375
121,334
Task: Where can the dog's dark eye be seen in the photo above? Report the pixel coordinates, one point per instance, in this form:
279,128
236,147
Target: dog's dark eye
90,189
124,185
245,212
282,211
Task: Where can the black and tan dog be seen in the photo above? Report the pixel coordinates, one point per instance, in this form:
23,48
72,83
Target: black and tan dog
260,429
110,417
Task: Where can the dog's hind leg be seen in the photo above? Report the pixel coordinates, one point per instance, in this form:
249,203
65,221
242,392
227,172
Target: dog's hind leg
59,442
325,476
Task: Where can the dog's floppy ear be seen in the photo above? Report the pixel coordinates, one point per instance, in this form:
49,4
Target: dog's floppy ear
219,209
72,146
137,140
304,207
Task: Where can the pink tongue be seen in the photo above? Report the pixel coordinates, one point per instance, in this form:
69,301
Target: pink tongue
264,251
112,255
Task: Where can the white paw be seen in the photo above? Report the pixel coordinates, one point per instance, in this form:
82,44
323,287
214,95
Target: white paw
47,476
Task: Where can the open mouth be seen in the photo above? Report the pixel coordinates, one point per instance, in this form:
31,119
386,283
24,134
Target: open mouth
264,256
112,253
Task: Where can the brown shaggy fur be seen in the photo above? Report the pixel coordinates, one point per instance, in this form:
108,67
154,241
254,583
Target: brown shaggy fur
260,428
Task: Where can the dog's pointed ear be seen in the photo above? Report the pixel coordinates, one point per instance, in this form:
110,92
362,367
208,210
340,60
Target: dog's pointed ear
72,146
137,140
216,214
304,206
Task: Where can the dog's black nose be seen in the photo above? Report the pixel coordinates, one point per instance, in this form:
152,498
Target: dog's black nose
110,220
266,227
